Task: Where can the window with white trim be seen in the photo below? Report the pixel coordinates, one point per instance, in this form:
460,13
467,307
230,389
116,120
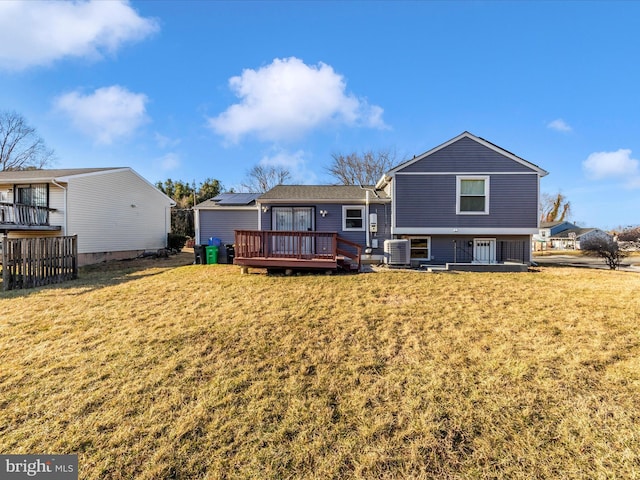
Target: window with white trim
420,247
472,195
35,195
353,218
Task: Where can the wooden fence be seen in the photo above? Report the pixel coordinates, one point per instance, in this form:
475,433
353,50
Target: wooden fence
32,262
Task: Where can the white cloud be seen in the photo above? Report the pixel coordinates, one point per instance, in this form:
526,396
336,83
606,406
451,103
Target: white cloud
41,32
559,125
107,114
288,98
163,141
170,161
294,162
618,164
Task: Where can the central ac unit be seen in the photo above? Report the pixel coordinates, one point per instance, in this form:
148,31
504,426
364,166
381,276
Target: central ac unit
397,252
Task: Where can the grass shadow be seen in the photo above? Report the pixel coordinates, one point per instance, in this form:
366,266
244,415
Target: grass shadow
113,272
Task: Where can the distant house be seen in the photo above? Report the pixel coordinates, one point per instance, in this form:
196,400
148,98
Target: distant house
564,235
115,212
466,201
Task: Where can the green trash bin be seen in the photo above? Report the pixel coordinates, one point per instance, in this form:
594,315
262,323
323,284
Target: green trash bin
212,254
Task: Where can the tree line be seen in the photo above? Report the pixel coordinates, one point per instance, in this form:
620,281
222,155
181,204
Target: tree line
21,148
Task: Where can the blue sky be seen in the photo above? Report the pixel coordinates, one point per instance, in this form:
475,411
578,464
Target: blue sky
191,90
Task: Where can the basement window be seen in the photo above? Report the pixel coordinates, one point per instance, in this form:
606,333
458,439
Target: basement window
420,247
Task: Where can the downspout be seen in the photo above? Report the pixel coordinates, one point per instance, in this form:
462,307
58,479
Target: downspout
196,221
64,233
366,213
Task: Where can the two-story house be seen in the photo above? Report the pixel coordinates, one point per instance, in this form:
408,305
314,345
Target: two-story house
114,212
465,202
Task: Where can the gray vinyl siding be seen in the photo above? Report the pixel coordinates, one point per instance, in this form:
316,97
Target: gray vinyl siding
332,222
424,201
443,247
466,155
222,223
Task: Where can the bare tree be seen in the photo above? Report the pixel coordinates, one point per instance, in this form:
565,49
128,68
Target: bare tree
365,169
554,208
21,147
262,178
605,247
630,234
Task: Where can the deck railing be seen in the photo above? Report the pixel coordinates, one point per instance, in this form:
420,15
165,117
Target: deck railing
20,214
285,244
274,245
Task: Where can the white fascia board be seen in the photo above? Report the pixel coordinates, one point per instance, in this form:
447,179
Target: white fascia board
226,208
66,178
335,201
383,182
478,172
462,231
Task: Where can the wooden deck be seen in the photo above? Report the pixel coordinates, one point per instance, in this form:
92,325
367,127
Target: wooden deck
296,250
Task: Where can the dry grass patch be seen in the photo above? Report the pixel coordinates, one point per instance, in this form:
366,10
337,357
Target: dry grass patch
152,370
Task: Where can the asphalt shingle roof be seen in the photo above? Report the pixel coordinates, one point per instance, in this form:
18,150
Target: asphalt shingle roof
321,192
44,175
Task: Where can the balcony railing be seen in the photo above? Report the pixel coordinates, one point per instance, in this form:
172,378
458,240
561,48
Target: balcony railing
24,215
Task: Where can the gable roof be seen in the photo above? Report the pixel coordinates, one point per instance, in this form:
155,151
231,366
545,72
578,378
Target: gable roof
15,176
63,175
322,193
578,231
387,176
555,224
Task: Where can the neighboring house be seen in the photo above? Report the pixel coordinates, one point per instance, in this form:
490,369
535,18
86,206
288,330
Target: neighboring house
115,212
218,217
564,235
465,201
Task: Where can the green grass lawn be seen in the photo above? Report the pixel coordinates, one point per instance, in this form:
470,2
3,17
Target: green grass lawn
154,369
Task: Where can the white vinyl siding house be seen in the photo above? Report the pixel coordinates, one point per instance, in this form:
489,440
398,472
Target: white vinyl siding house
115,212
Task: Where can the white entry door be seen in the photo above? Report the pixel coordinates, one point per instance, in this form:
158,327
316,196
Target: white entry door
484,250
